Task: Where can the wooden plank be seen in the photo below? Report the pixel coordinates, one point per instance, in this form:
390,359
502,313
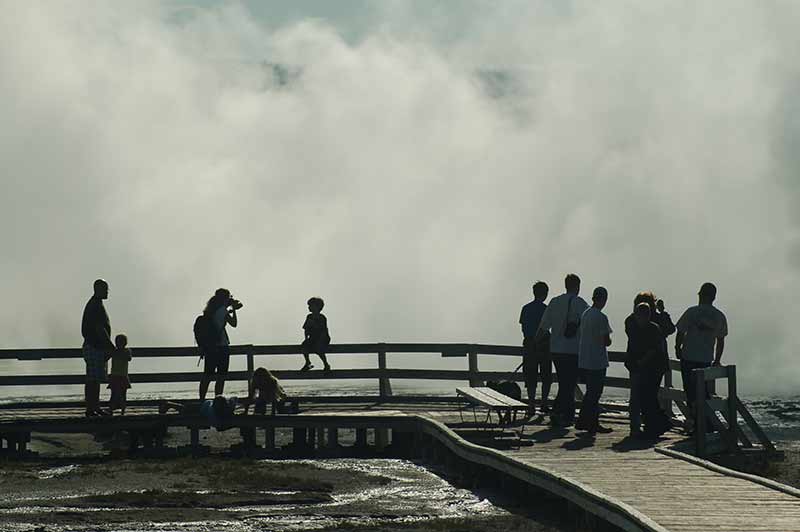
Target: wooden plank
753,425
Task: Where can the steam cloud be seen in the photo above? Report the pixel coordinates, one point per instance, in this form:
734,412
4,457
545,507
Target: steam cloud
419,170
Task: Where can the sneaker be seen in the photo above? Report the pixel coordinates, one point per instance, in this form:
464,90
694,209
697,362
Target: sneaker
306,367
326,369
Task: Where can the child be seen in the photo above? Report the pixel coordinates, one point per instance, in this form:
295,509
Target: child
317,340
119,381
264,390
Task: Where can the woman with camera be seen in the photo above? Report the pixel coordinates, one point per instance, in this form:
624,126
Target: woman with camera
219,312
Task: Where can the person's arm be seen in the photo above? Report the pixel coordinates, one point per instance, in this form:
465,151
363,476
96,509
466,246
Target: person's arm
609,330
544,324
679,345
231,318
719,349
667,327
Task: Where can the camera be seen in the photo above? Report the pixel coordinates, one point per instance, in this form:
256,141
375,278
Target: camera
235,303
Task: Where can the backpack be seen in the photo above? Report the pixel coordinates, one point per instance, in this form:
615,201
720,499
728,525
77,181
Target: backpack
205,334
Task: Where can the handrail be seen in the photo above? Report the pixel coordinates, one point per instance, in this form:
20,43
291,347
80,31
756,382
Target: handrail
383,373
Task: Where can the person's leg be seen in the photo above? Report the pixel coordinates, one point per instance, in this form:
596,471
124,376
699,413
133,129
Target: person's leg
558,403
306,350
688,385
571,381
123,399
599,385
635,403
205,380
546,367
325,366
223,363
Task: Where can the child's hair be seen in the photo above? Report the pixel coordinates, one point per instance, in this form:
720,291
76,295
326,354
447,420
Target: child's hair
265,382
316,301
121,340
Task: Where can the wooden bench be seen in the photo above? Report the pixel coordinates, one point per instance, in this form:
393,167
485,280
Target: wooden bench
506,407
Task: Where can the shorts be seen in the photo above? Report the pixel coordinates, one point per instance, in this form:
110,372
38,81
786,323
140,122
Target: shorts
217,361
96,363
318,346
536,362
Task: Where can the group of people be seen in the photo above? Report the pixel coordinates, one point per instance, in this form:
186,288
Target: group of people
574,337
210,330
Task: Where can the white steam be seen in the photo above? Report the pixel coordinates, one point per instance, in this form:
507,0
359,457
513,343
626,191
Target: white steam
419,175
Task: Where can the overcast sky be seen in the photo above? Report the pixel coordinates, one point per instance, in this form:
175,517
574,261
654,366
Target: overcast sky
416,164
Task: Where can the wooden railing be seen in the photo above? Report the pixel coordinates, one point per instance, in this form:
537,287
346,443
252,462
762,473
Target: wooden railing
716,423
384,374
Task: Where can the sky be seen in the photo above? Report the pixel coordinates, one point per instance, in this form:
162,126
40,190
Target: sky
418,165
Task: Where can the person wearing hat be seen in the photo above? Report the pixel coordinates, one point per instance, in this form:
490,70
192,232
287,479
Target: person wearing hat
701,338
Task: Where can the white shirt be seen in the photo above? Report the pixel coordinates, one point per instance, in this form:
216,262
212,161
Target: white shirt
703,324
554,320
592,353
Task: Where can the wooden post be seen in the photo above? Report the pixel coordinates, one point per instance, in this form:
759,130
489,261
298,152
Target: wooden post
320,437
299,437
361,438
733,437
250,368
333,437
700,411
384,384
269,438
473,369
381,438
195,437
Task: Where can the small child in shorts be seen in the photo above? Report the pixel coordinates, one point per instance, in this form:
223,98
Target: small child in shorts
317,339
118,380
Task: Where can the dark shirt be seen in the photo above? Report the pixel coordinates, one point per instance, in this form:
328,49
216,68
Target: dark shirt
645,346
316,328
95,326
530,317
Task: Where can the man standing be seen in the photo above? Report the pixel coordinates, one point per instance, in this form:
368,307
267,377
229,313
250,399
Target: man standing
561,319
536,355
97,346
701,338
595,337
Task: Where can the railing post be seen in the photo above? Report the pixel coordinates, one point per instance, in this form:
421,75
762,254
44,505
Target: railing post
384,384
700,411
733,437
250,367
473,369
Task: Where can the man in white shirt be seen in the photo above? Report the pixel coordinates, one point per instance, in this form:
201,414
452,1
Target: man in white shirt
595,337
561,319
701,338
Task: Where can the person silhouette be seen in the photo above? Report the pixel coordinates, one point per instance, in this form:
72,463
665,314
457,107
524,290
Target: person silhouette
536,359
700,340
97,346
561,319
317,338
595,337
220,312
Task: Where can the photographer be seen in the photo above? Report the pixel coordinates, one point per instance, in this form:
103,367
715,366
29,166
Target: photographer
219,312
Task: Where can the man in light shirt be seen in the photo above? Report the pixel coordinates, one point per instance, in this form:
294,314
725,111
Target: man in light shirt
561,319
701,338
595,337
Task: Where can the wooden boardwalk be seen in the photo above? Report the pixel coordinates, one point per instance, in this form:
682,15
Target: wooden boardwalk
627,484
